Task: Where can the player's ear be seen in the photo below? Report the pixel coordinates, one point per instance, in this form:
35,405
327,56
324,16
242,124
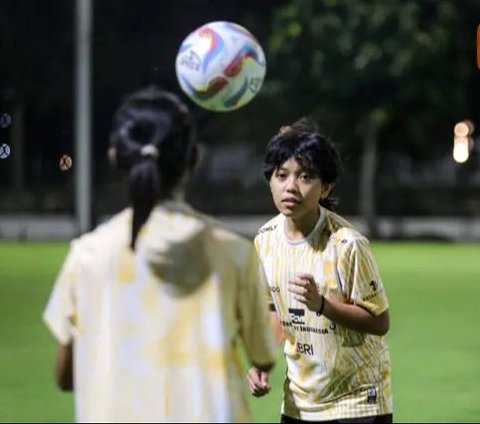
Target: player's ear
112,155
326,190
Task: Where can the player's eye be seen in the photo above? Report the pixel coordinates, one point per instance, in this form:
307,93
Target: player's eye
306,177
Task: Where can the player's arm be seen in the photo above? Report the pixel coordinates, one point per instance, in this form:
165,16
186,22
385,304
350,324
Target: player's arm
258,376
64,367
356,318
60,317
351,316
365,308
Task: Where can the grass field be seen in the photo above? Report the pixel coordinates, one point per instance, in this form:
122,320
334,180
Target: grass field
434,293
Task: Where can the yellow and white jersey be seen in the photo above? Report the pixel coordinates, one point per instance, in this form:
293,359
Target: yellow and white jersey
333,372
156,332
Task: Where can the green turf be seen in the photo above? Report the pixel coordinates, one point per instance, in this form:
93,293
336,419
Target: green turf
433,289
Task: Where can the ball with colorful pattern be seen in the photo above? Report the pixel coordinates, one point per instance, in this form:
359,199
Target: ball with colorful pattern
220,66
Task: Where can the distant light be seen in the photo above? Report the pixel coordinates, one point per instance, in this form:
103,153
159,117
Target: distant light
471,127
4,151
65,162
471,144
461,149
463,128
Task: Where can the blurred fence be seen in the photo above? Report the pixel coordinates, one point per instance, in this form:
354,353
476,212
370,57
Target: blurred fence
63,227
435,199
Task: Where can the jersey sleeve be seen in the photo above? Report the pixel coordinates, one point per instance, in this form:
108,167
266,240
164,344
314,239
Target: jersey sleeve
254,317
361,278
60,313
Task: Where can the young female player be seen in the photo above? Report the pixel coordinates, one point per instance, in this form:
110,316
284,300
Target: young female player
325,290
150,307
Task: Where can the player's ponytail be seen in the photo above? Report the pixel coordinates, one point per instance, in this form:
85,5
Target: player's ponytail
144,185
153,138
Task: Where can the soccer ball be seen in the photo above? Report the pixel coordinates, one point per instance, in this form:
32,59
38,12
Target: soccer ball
220,66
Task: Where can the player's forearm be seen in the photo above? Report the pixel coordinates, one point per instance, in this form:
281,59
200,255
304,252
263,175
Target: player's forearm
64,367
356,318
264,367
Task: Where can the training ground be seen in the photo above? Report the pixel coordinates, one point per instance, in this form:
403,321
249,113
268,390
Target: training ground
433,289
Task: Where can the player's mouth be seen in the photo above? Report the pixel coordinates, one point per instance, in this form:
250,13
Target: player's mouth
290,202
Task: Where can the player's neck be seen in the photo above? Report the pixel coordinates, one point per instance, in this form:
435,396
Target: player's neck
299,228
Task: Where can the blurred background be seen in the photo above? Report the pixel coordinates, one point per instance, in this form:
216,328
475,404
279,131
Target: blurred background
387,80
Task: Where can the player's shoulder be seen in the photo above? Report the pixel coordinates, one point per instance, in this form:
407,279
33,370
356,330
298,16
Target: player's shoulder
342,232
237,247
114,231
269,227
223,234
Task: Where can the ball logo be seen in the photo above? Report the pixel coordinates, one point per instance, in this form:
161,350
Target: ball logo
190,61
4,151
255,84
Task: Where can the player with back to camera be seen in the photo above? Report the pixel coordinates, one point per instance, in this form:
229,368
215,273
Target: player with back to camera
325,290
149,307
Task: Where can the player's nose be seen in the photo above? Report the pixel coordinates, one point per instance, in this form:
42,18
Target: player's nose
291,185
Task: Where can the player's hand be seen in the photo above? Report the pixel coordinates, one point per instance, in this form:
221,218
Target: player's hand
258,382
304,289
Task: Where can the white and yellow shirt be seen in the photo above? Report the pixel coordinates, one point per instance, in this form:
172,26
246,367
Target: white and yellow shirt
332,372
156,332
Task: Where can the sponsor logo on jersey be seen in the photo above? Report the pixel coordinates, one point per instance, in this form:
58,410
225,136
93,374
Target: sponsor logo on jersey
372,395
305,348
376,291
265,229
297,315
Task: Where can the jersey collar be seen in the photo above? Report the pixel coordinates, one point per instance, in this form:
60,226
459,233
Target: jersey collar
310,236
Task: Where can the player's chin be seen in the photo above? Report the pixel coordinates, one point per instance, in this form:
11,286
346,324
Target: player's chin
291,211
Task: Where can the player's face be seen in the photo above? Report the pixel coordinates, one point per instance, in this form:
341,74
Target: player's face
295,192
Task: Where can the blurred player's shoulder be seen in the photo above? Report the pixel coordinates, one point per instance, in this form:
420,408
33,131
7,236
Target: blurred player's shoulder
237,247
342,232
113,231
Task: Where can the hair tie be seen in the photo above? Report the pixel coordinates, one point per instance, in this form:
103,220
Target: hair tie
149,151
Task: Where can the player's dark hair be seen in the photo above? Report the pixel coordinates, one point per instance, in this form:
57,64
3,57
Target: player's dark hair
316,153
153,135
